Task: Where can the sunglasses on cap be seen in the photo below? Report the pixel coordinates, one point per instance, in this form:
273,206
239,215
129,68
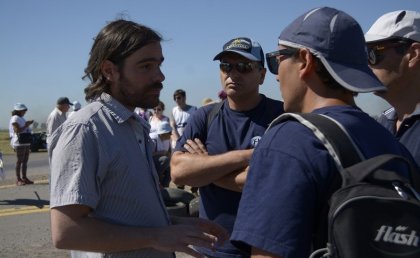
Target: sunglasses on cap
240,67
374,51
273,62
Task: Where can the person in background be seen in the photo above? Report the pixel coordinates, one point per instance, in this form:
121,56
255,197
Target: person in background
76,107
222,95
162,153
105,198
58,116
179,119
18,125
206,101
215,156
394,56
143,113
180,114
156,119
291,170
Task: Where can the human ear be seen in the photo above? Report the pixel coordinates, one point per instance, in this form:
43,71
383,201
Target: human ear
307,62
414,53
262,75
109,70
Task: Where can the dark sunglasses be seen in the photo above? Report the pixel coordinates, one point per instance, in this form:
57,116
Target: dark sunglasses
374,51
273,62
158,109
240,67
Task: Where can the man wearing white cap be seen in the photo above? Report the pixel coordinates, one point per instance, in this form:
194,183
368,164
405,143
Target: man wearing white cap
394,56
291,171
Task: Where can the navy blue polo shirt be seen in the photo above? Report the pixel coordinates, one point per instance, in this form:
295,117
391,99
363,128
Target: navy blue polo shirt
409,132
229,130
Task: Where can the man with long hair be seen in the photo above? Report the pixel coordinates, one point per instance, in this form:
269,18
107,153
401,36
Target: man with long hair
105,197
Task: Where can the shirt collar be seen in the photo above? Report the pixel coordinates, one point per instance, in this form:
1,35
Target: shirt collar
120,113
391,114
59,111
417,110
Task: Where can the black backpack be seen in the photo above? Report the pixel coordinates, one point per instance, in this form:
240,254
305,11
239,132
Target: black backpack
371,212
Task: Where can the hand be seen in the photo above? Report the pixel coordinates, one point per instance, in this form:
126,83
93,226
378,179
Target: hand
195,147
188,232
29,122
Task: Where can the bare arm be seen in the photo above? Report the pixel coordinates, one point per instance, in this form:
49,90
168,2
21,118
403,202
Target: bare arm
72,228
18,129
234,181
197,168
175,134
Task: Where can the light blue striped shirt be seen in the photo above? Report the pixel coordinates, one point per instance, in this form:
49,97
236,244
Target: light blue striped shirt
102,157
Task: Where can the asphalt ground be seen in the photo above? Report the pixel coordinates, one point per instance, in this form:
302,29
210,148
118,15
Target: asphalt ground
24,212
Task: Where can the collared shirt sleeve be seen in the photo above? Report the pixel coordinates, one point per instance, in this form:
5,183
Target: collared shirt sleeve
72,179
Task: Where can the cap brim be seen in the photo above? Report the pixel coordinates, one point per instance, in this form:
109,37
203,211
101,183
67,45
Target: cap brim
246,55
369,38
358,78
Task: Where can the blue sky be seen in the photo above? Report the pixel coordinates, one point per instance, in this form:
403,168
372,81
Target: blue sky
45,44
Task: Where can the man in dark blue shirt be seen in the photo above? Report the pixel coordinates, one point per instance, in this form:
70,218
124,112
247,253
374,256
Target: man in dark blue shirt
394,56
215,155
321,63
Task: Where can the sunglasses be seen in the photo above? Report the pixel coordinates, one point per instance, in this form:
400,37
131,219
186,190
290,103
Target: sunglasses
157,109
374,51
272,60
240,67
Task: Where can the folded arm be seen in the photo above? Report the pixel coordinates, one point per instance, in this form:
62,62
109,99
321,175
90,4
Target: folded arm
234,181
197,168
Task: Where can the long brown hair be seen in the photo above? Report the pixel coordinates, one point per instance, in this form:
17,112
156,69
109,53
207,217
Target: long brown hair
115,42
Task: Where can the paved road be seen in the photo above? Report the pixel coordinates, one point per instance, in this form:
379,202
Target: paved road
24,216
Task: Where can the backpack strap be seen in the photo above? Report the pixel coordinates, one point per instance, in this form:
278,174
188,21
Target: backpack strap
331,133
363,171
344,151
212,114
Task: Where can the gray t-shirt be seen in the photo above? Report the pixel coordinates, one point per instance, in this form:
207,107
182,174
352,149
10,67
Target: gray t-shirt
102,158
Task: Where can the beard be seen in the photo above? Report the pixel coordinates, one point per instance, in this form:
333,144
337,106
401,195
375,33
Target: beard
133,96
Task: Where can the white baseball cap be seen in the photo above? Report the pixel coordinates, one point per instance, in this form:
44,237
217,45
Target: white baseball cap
76,105
164,127
19,107
397,24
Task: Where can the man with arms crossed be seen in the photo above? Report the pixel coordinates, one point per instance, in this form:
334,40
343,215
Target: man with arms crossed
105,197
321,63
215,156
